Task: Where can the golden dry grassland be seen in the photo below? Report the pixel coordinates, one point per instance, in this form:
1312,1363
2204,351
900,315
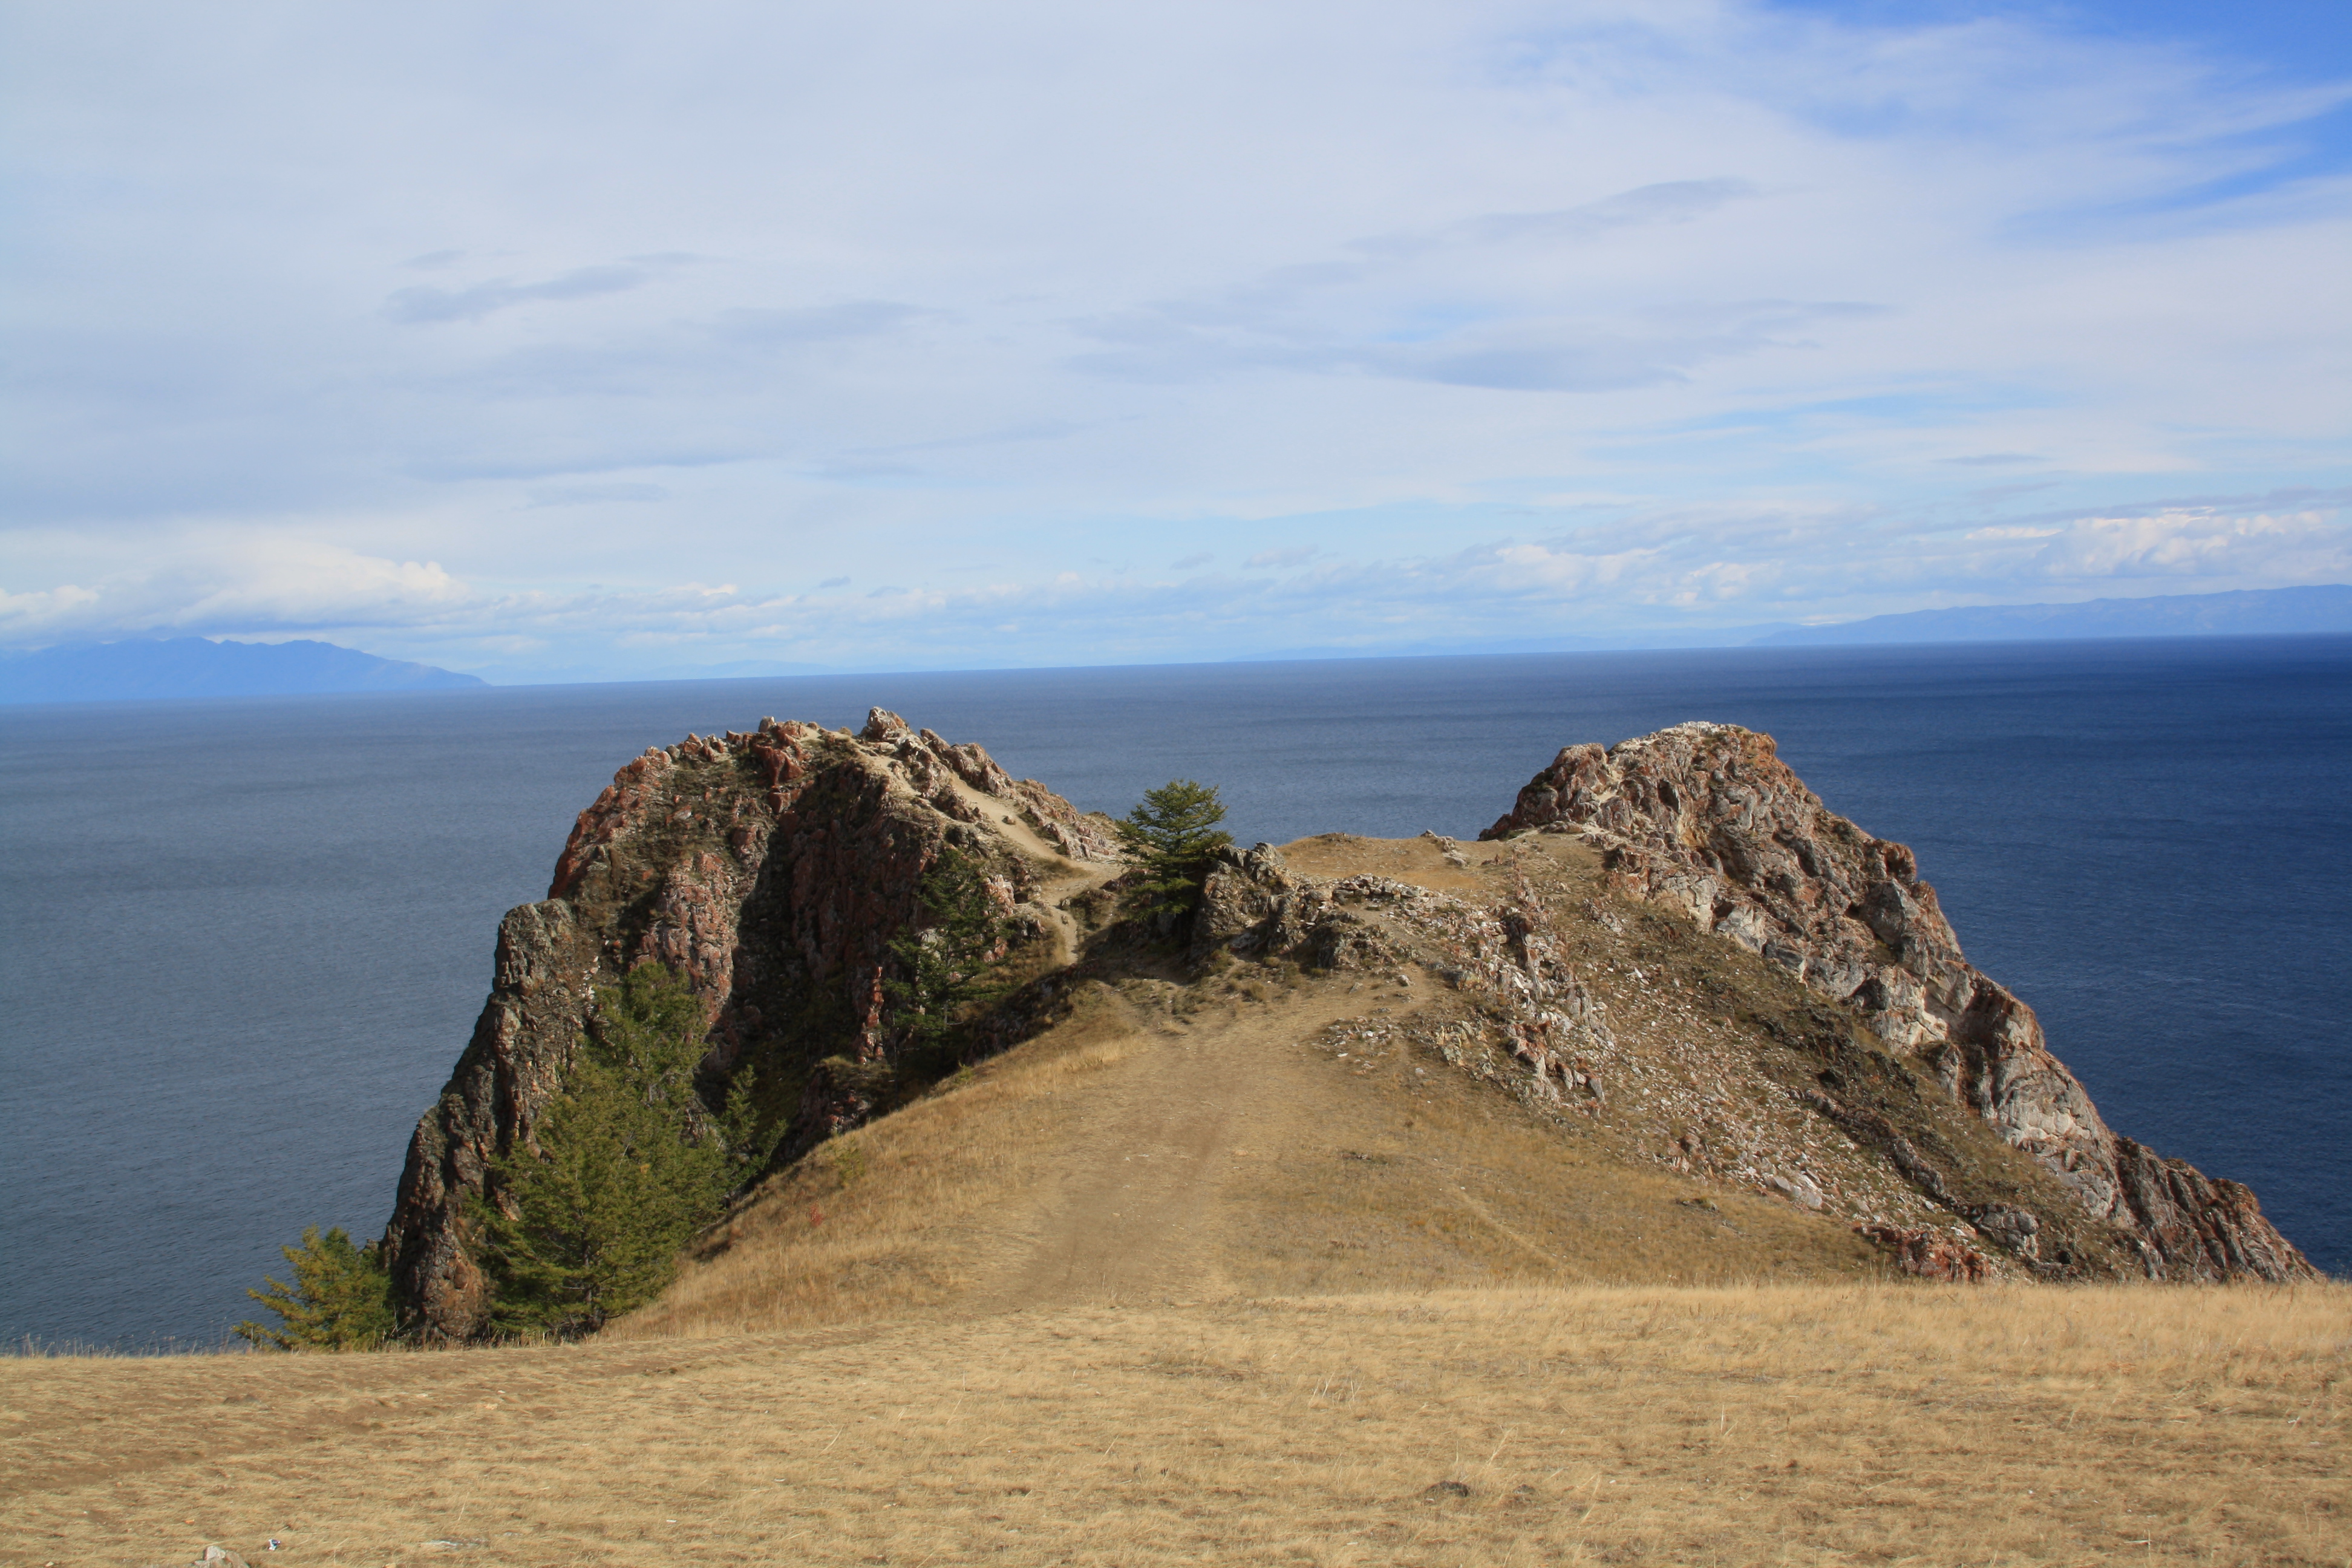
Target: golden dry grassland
1776,1424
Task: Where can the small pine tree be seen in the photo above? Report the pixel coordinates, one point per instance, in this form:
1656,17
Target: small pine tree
1173,836
627,1169
943,958
340,1300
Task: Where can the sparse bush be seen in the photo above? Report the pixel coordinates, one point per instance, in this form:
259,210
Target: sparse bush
340,1300
849,1161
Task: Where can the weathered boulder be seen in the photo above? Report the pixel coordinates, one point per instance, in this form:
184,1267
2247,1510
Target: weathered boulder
1241,894
771,870
1251,904
1707,820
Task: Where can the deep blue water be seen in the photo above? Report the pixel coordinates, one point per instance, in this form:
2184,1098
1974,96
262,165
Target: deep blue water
244,940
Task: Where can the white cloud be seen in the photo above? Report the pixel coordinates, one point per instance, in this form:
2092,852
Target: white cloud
254,584
1634,572
1585,310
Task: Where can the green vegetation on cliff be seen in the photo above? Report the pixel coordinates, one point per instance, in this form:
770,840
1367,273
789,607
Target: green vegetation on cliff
944,975
621,1170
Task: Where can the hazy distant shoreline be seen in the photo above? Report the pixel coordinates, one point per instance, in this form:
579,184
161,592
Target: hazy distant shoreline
162,670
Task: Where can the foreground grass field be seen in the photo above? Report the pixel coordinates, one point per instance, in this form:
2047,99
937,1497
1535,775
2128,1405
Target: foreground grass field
1799,1423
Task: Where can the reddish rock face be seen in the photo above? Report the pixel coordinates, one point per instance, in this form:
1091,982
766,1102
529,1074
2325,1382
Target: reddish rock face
1707,820
771,869
1930,1254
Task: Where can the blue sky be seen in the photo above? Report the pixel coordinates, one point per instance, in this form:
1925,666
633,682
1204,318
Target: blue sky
586,339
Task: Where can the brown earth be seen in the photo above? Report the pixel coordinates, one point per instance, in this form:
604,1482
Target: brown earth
1240,1134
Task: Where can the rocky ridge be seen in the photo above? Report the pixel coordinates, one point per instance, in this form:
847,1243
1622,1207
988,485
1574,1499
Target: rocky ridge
770,868
1705,820
1553,997
1673,949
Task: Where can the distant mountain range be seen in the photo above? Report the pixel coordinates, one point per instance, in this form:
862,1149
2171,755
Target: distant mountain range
194,666
2252,611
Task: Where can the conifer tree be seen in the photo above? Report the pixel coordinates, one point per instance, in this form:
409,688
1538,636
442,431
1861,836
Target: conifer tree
339,1298
943,958
628,1166
1173,837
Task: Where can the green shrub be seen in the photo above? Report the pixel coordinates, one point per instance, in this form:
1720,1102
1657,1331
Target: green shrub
340,1300
943,962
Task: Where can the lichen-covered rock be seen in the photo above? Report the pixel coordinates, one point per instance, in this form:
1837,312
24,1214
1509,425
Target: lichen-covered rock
771,870
1706,819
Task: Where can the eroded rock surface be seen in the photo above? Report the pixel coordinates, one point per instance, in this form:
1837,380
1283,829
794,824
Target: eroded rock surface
1252,905
770,868
1707,820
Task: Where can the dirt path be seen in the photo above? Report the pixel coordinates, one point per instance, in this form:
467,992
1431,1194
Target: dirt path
1060,876
1134,1210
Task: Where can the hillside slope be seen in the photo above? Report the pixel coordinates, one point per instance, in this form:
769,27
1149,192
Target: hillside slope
1707,1426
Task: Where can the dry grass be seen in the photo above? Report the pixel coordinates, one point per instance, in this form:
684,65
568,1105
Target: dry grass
898,1215
1802,1424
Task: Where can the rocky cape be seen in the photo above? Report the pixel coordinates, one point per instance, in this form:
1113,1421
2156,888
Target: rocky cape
1706,820
1914,1095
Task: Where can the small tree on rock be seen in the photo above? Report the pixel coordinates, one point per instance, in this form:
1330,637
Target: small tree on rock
1173,837
944,958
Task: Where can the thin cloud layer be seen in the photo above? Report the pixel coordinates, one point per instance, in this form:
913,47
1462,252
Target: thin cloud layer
497,335
423,304
1685,574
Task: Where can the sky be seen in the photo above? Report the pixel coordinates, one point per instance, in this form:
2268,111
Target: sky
590,341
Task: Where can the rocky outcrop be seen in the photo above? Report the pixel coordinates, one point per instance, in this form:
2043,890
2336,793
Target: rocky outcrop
1707,820
771,870
1928,1254
1253,905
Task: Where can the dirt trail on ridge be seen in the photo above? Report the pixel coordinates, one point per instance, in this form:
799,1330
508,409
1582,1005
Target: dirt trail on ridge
1137,1207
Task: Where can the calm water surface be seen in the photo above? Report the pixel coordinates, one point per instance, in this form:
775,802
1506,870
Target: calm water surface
245,941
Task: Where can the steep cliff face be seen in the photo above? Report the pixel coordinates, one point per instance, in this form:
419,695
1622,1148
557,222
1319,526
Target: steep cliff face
1707,820
772,869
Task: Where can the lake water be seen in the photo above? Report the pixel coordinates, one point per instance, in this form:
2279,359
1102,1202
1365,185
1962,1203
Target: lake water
245,940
